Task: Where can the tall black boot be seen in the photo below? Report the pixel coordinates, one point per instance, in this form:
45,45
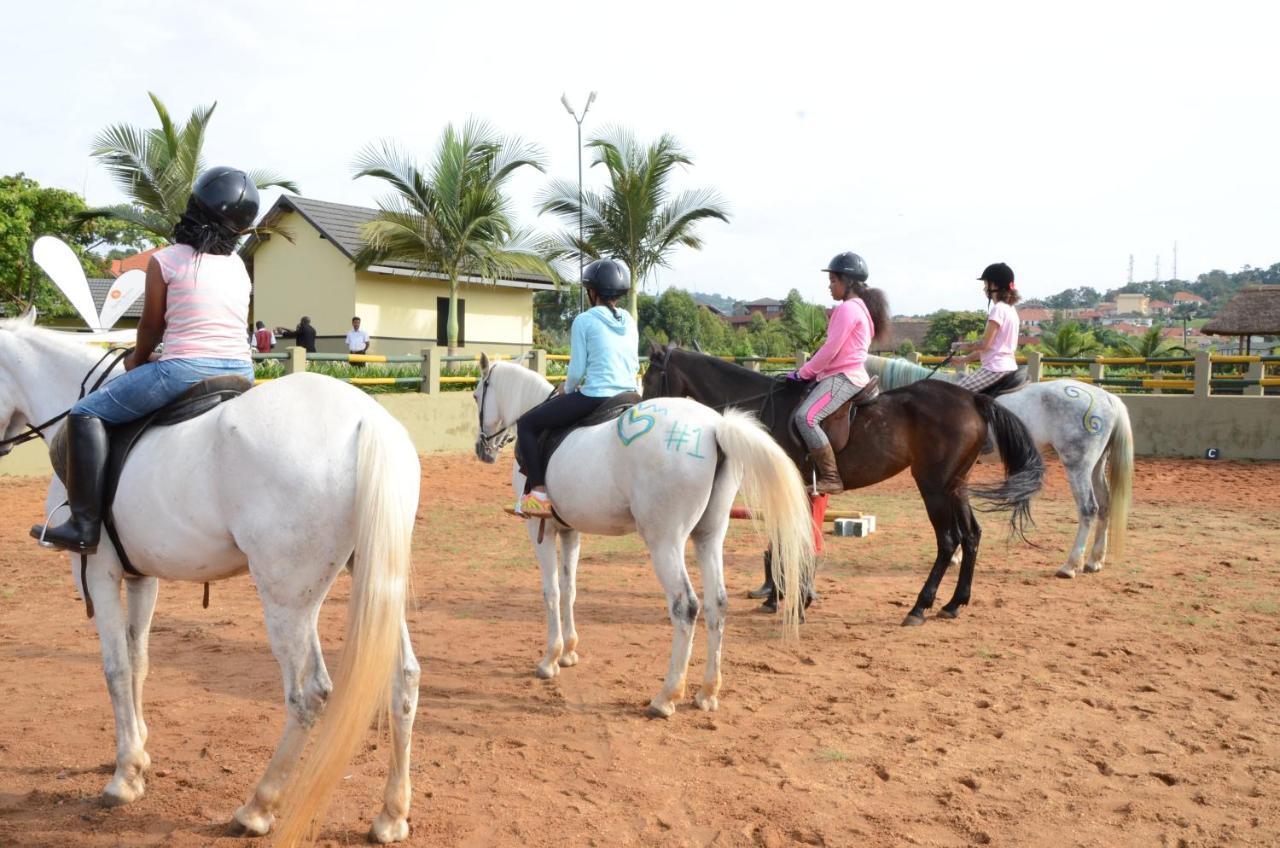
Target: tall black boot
86,470
766,588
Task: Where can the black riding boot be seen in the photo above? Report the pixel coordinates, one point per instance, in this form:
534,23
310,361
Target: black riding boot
86,470
766,588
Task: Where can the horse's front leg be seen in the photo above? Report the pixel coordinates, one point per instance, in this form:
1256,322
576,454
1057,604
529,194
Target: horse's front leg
570,546
128,783
944,511
549,665
141,593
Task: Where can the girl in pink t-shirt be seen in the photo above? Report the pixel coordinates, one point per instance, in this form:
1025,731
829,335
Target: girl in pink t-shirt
996,347
861,316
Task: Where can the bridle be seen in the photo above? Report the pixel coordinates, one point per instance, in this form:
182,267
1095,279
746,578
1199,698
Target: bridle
36,431
496,441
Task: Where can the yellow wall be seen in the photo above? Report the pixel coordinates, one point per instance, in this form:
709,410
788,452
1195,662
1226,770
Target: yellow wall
309,276
1131,303
400,311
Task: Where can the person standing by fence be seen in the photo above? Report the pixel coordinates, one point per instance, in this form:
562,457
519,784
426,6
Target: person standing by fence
357,341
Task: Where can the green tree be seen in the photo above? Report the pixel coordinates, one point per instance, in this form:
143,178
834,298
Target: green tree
635,218
678,316
28,211
1068,339
906,348
1149,345
946,327
808,327
454,218
156,169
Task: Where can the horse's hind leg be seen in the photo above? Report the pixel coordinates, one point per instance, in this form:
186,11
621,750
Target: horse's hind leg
1102,492
944,512
1087,510
141,593
127,783
392,824
682,604
570,546
296,645
970,537
708,543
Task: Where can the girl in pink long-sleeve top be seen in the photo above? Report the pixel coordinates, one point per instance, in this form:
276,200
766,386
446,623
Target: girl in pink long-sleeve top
839,366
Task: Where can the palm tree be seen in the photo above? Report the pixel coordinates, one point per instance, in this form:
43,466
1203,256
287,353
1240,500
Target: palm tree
1149,345
453,219
156,168
1068,340
635,219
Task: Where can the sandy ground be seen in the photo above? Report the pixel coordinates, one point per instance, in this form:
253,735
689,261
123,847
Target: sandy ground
1139,706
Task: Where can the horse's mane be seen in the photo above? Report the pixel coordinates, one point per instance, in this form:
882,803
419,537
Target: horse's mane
896,373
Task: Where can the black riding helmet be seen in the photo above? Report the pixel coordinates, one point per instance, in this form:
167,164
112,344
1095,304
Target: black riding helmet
999,275
849,264
228,196
607,277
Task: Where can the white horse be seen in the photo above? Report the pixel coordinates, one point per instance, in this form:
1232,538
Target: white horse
667,469
348,492
1089,430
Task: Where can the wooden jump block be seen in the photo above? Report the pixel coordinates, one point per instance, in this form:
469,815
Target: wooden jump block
856,527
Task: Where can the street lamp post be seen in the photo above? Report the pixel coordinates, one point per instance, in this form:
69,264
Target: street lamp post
578,119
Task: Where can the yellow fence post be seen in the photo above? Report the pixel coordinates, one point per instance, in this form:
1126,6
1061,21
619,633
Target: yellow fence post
1256,371
1097,371
913,357
1034,366
753,363
1204,371
297,361
538,362
430,371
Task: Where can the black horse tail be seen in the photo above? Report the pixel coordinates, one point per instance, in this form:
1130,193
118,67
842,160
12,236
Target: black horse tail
1023,467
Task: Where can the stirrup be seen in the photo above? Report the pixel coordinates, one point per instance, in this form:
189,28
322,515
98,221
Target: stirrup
525,507
44,528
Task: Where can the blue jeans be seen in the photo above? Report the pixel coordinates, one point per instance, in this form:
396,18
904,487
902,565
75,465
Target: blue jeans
154,385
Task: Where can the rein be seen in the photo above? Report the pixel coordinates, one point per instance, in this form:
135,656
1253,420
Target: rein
36,431
496,441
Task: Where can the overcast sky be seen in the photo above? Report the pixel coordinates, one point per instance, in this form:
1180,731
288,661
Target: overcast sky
931,138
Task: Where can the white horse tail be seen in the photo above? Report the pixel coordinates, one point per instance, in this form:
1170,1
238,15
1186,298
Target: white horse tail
771,485
387,500
1120,477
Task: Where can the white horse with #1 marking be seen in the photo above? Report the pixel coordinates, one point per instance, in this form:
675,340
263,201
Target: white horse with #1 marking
668,470
184,513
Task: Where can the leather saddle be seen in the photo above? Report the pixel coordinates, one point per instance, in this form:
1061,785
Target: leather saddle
837,424
122,438
1010,382
615,406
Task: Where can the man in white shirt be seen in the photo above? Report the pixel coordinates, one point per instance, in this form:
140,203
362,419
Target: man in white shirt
357,340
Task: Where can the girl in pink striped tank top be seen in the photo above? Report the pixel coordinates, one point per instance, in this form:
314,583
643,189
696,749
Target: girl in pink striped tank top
197,303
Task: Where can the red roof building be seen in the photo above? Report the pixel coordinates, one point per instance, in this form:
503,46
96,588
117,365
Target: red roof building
1187,297
138,261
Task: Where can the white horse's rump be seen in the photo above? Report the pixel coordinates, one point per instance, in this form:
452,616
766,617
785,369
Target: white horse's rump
668,469
290,482
1089,430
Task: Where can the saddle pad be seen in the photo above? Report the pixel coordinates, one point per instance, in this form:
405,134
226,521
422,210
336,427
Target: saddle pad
550,440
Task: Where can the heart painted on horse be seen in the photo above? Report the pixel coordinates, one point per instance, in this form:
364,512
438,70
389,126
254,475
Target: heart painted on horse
632,426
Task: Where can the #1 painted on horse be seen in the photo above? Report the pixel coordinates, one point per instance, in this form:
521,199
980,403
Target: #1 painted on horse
1088,428
934,428
668,470
184,513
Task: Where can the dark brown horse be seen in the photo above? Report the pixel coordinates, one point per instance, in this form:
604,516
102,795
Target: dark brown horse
934,428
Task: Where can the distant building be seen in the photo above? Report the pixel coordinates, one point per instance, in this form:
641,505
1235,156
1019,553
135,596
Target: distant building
1034,316
1132,304
137,261
768,307
1188,297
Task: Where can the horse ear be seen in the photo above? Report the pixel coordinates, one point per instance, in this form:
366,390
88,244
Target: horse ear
656,352
484,364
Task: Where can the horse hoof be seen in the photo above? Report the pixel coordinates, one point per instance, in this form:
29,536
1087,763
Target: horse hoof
913,619
948,614
121,791
1065,573
764,591
247,822
568,660
546,671
706,703
1092,567
659,709
768,606
387,829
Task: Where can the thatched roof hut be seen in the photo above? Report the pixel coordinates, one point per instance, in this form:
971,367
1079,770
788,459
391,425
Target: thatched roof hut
1253,311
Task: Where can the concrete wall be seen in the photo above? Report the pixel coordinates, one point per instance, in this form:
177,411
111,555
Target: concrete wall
1239,427
443,422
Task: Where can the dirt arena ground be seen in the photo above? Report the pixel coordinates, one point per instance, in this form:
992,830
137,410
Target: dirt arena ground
1139,706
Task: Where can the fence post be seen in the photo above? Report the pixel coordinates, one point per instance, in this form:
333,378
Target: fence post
1097,371
297,361
1256,371
802,356
913,357
1204,370
1034,366
538,361
430,371
752,362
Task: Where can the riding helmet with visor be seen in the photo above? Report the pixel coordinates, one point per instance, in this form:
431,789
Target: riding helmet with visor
607,277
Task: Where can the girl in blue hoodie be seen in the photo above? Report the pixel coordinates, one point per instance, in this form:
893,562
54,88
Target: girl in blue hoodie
603,361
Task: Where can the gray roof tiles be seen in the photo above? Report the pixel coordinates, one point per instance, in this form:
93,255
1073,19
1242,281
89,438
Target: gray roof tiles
98,287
